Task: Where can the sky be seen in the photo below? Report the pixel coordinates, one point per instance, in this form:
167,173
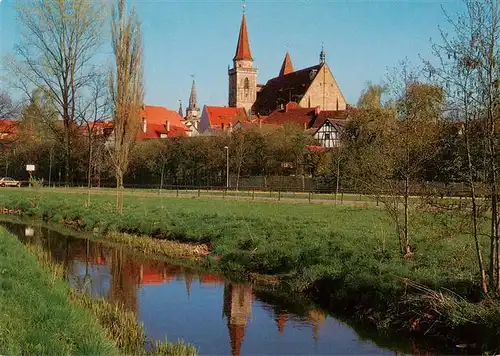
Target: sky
186,38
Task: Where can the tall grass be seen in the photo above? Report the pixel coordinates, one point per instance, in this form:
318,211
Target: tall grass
36,316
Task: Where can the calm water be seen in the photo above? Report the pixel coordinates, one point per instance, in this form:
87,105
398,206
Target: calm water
217,316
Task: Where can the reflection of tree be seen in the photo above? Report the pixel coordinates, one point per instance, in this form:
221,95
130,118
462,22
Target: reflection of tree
125,278
237,308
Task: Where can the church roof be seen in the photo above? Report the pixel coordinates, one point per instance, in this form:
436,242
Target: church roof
287,66
282,89
243,47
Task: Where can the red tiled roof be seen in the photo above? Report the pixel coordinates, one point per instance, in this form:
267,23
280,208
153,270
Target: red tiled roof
9,130
337,115
218,115
316,148
156,123
160,115
283,89
243,47
154,131
296,116
287,66
9,126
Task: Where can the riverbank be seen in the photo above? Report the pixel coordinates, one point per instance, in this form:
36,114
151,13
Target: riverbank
346,258
36,316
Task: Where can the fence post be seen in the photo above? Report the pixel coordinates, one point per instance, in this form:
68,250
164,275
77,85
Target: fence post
177,190
270,192
342,197
377,199
309,196
253,194
198,191
279,194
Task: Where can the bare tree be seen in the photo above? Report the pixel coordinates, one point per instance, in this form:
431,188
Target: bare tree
468,67
58,42
7,108
126,88
92,113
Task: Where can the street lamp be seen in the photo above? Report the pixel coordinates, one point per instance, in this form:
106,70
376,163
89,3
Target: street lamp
227,166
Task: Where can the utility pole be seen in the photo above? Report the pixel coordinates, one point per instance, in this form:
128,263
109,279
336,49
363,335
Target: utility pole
227,166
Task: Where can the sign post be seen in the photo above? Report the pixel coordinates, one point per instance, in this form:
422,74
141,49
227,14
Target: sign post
30,168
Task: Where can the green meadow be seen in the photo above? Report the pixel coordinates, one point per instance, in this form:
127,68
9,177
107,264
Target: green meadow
346,257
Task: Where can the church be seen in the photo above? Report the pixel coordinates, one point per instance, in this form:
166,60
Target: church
313,87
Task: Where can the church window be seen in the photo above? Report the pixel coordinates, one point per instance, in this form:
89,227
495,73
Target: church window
246,84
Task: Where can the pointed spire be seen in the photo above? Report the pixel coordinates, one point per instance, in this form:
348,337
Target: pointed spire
192,97
287,66
181,114
322,55
243,47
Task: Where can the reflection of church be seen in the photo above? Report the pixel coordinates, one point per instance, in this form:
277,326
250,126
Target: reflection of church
237,309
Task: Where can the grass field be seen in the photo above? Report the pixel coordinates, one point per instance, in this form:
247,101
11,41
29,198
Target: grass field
36,316
348,253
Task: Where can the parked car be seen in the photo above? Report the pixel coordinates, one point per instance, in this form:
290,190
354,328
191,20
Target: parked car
9,182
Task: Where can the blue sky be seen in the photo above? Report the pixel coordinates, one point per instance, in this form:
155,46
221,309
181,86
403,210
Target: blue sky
183,38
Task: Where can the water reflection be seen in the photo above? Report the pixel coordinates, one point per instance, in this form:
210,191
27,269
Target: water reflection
182,303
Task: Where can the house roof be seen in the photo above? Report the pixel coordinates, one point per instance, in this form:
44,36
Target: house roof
9,126
156,123
338,115
243,47
218,115
287,66
9,131
160,115
154,131
283,89
291,115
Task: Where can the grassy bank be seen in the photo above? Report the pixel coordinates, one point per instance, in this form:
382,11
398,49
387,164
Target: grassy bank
345,257
120,326
36,316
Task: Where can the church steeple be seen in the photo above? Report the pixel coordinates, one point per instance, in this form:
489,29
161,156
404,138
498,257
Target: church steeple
181,112
192,97
287,66
243,75
243,47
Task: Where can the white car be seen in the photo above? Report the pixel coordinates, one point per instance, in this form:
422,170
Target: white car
9,182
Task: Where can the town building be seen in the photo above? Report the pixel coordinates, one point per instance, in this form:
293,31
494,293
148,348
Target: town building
324,125
216,119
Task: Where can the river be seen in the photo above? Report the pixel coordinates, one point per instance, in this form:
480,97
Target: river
217,316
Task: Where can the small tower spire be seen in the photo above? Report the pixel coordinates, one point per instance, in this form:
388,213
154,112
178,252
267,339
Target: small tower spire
192,97
181,112
287,66
322,55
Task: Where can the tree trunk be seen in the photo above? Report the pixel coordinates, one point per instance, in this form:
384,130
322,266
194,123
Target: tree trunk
89,173
119,190
470,177
407,249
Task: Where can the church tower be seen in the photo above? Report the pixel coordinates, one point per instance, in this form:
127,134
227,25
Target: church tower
243,76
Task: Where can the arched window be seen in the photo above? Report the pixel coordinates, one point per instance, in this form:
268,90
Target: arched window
246,84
